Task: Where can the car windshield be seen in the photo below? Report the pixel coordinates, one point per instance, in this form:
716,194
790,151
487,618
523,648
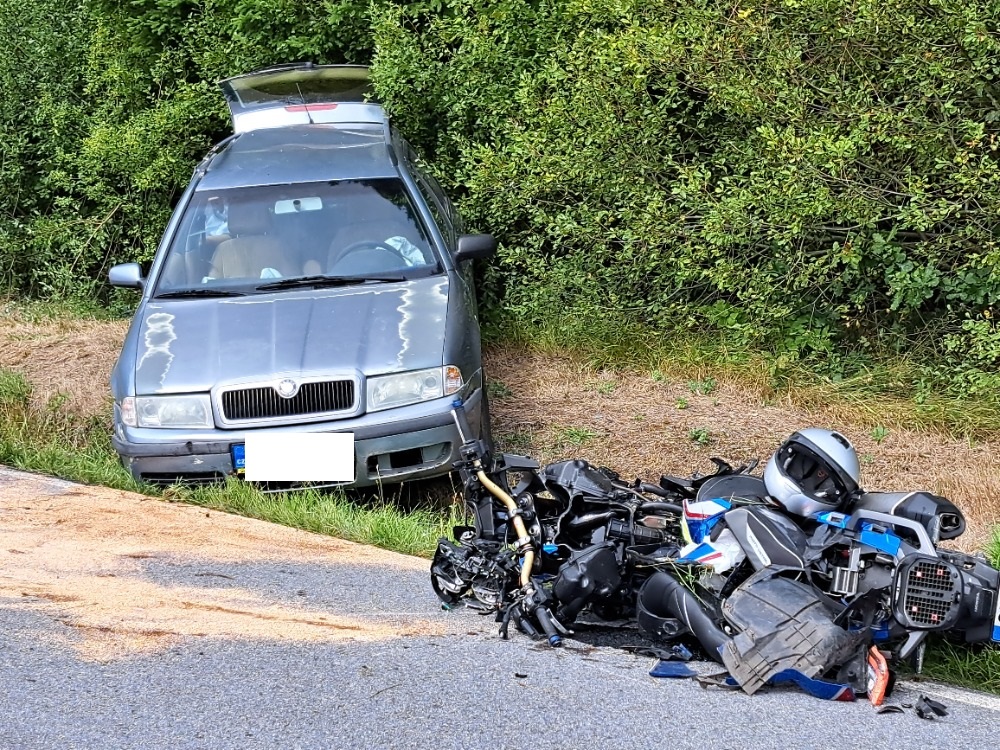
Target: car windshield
231,240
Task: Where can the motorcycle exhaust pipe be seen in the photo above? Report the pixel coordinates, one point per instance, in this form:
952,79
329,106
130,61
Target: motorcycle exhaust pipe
663,597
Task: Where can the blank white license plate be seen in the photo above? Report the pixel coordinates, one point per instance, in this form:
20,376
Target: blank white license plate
300,457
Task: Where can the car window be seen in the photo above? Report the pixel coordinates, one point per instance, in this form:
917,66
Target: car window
441,217
435,188
444,213
234,238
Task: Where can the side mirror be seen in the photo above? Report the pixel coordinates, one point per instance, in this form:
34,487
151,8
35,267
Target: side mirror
128,275
472,246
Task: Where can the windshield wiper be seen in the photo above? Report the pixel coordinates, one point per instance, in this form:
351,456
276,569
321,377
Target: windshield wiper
318,282
199,293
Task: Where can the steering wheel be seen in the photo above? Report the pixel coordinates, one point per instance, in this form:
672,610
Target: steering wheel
362,245
384,257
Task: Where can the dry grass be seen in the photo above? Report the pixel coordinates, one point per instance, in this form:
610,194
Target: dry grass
560,407
63,357
646,427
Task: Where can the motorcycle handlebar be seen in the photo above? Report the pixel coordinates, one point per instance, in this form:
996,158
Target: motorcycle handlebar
545,620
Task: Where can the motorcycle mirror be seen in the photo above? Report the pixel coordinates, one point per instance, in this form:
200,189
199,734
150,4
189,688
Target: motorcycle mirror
461,533
723,466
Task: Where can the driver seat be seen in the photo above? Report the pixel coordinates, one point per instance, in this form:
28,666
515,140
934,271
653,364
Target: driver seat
251,247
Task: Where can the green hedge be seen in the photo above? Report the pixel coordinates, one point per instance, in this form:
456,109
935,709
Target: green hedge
814,176
107,106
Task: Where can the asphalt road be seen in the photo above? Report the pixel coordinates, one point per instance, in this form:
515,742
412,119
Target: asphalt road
448,682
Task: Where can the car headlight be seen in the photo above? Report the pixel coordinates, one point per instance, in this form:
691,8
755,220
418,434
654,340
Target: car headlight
387,391
170,412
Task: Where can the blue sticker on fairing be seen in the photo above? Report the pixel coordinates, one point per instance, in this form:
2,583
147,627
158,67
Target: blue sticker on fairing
699,552
831,518
996,632
702,516
882,541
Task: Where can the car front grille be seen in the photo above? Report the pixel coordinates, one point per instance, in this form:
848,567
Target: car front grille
252,404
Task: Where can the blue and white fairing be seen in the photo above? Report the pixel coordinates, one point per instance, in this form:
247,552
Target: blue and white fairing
930,589
699,520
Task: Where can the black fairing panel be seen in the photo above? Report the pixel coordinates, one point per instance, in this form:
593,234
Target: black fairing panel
732,487
589,575
579,478
767,537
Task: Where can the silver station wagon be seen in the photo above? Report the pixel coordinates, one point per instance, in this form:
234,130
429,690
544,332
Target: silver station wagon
310,313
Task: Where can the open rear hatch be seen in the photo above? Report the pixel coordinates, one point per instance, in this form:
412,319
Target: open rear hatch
301,94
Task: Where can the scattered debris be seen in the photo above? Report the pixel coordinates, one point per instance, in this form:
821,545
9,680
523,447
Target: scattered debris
928,708
676,669
890,710
797,577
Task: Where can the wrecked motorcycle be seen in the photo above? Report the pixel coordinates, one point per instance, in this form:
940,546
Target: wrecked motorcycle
797,576
545,543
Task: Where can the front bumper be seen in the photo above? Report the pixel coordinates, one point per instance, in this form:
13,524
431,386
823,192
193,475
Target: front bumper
412,442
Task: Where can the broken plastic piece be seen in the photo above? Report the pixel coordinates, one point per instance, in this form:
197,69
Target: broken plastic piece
878,676
928,708
784,626
676,652
677,669
681,652
890,710
828,691
719,679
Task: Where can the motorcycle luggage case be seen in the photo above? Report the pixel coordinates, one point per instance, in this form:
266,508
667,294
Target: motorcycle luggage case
922,507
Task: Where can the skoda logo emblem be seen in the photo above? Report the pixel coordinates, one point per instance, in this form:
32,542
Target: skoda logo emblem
287,388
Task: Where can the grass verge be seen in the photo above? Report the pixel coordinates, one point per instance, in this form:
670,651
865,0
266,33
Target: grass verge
51,441
48,441
383,524
959,664
891,391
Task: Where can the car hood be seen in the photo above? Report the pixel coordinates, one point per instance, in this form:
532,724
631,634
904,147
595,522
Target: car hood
192,345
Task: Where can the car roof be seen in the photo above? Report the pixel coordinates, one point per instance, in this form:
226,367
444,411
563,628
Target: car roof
301,153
